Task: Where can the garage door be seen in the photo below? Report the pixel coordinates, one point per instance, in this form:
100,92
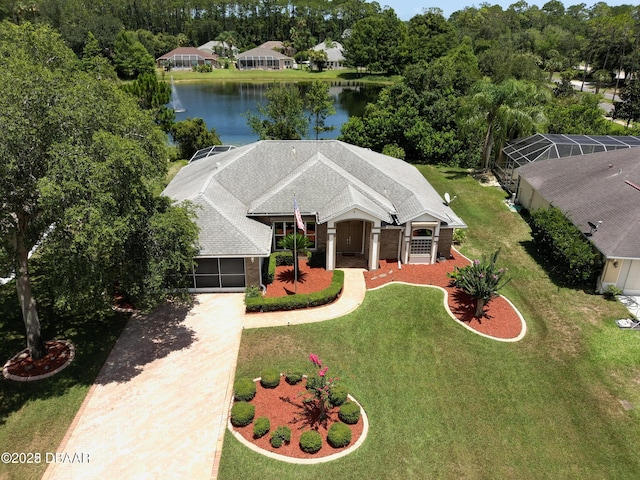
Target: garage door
632,283
219,274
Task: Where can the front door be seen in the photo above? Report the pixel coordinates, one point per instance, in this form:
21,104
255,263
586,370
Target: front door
349,236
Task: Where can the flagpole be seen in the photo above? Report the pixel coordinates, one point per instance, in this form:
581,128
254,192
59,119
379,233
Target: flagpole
295,249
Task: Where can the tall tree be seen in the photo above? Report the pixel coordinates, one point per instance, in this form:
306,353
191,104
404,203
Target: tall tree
78,162
628,108
283,118
191,135
503,112
130,57
320,104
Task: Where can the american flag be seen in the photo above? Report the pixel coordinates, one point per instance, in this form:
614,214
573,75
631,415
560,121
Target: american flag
296,211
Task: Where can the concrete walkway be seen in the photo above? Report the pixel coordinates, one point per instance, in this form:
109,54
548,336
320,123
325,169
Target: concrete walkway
159,406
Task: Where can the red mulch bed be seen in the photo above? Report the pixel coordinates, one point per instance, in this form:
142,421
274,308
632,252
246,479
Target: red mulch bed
309,280
500,320
283,407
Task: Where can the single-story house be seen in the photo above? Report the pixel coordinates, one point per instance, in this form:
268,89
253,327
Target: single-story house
264,57
187,58
219,48
600,194
335,58
355,204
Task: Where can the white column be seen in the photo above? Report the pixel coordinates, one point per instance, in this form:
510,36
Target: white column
374,248
331,246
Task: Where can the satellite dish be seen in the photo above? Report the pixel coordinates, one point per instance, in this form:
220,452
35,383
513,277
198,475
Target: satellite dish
448,199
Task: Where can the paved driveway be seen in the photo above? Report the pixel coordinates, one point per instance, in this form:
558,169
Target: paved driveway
159,404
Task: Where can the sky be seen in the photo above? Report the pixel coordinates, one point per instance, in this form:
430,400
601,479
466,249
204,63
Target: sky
405,9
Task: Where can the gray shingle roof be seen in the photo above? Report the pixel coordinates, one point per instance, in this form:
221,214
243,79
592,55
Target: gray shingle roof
328,177
597,187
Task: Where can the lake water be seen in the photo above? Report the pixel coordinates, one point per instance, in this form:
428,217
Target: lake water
224,106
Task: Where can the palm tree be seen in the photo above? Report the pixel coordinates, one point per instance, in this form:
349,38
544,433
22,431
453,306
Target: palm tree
503,111
228,38
297,243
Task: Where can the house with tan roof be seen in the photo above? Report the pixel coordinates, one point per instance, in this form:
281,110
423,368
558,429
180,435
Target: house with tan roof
264,57
187,58
600,194
356,205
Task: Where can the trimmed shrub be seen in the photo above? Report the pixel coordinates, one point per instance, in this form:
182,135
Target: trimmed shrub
310,441
294,377
569,255
244,389
260,427
270,378
300,300
242,414
279,436
338,395
349,413
339,435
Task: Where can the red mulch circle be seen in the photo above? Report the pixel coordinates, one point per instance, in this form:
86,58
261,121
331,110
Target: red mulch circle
283,406
21,367
309,280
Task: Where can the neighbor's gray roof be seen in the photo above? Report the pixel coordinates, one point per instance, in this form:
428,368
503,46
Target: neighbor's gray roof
262,52
596,187
334,54
328,178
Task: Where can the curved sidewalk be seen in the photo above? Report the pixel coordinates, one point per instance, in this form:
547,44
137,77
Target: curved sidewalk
159,406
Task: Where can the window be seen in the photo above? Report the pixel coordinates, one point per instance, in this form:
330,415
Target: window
421,241
281,229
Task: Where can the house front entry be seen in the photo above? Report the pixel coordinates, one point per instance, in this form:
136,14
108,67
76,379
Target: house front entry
349,236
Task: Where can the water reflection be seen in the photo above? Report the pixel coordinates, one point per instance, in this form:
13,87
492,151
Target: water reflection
224,106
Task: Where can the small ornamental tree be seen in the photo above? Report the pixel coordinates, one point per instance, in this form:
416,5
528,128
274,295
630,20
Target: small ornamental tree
481,280
319,387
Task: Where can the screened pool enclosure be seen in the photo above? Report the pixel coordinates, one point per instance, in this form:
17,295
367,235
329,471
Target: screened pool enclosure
549,146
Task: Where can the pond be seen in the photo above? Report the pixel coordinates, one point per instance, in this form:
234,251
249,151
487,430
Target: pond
224,106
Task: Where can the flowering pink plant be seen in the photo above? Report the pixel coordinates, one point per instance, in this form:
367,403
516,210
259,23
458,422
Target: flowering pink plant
320,387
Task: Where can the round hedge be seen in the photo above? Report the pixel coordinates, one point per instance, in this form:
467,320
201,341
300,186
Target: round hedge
294,377
280,435
260,427
270,378
244,389
349,413
242,414
338,395
310,441
339,435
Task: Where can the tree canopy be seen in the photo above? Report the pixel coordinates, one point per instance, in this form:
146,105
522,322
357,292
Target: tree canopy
80,162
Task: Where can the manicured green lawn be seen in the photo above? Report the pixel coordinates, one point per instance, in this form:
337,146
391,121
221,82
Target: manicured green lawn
444,403
34,416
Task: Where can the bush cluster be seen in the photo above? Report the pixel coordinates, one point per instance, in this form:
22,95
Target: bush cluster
301,300
277,259
338,395
270,378
349,413
310,441
570,256
244,389
294,377
242,414
339,435
260,427
279,436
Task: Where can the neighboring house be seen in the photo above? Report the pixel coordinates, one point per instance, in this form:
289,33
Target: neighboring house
335,59
542,146
219,48
356,205
187,58
264,57
601,190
